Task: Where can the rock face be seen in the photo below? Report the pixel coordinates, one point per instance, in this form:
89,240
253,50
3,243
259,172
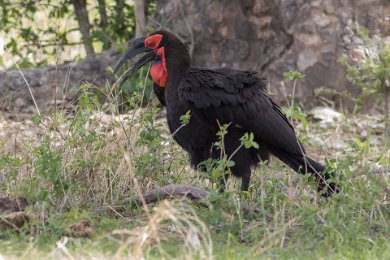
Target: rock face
269,36
53,85
275,36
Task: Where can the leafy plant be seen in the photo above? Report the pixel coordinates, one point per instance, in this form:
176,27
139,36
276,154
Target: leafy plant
149,163
293,75
185,119
293,111
49,183
371,72
216,169
103,26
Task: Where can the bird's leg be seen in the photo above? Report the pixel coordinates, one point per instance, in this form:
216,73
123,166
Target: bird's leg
245,181
222,183
326,188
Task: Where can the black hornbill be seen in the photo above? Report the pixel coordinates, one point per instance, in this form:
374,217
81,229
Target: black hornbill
221,96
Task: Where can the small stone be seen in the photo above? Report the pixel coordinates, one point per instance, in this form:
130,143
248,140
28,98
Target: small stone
224,31
347,40
326,115
317,141
364,134
306,59
316,3
338,144
356,55
82,229
329,6
358,41
322,20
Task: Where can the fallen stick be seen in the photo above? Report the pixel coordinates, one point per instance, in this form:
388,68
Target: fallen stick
177,191
381,170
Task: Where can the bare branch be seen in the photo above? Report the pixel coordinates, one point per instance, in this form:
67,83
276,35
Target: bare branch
168,192
381,170
80,7
102,13
140,17
175,191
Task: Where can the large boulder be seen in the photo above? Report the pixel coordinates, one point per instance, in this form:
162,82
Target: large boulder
274,36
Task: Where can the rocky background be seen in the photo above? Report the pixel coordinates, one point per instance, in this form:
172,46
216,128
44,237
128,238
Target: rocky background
275,36
269,36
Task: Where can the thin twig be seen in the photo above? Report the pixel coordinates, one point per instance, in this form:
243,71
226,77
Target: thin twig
189,27
381,170
25,80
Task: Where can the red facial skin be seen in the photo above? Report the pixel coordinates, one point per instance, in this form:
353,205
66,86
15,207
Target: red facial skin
153,41
158,71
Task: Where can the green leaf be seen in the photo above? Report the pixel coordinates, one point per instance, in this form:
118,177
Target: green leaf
292,75
185,119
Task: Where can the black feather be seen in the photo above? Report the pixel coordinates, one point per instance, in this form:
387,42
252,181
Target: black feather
237,98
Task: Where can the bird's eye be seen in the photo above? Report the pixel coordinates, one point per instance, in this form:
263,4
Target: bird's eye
150,44
153,41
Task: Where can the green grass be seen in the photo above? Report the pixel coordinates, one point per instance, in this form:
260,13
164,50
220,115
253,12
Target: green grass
79,166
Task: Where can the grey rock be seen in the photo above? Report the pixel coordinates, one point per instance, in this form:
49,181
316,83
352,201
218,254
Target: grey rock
338,144
326,116
309,36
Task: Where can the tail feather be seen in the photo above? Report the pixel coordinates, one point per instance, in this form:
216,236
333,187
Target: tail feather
305,165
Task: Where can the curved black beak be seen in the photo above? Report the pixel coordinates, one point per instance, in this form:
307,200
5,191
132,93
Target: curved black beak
137,48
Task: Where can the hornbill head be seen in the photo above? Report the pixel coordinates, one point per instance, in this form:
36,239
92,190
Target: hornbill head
163,49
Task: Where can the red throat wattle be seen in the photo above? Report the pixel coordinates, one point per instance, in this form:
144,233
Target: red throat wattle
158,71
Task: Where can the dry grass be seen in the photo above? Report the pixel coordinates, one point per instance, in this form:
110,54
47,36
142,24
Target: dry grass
88,160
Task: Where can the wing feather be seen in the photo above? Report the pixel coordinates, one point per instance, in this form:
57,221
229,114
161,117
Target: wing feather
239,97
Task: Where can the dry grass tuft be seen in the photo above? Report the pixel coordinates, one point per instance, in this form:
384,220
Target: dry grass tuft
174,221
